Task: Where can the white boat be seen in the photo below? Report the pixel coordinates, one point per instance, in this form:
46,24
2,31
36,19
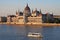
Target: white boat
34,34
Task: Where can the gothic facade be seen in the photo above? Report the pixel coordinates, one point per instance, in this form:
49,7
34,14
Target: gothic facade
27,16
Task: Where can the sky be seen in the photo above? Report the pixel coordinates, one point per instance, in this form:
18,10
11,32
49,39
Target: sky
9,7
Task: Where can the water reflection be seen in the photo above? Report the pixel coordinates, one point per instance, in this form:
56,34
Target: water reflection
17,32
33,29
51,32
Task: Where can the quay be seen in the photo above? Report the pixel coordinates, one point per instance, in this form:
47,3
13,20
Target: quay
43,24
33,24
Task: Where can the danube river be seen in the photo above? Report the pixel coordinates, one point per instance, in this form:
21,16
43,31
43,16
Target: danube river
17,32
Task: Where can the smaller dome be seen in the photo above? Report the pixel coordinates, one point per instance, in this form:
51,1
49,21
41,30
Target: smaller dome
36,11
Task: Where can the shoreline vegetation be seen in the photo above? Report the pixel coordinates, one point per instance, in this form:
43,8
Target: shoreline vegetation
32,24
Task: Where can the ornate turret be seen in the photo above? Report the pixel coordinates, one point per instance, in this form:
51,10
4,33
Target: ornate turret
32,11
17,14
40,11
35,13
35,9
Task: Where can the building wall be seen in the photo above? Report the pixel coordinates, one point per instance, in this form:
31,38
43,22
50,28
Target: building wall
33,14
14,19
20,19
0,19
37,19
9,19
56,16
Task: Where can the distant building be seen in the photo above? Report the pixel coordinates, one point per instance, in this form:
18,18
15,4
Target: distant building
47,18
3,19
56,16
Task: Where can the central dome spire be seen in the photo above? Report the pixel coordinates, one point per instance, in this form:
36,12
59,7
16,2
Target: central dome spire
27,7
27,4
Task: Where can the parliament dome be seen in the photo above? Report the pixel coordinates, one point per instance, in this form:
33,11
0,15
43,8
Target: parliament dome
27,7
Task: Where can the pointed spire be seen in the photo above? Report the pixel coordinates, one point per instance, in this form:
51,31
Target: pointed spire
52,13
32,11
35,9
16,12
27,5
40,11
47,13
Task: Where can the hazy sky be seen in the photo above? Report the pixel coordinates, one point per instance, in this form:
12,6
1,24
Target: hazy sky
8,7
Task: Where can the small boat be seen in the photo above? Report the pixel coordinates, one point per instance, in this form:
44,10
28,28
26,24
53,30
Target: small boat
34,35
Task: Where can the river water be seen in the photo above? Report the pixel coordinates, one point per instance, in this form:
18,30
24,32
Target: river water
17,32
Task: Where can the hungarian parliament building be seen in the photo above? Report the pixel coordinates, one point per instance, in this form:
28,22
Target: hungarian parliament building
26,16
29,17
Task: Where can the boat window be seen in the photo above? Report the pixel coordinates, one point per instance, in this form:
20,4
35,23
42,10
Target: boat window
34,34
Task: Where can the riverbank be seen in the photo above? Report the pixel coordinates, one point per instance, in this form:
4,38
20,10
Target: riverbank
32,24
43,24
